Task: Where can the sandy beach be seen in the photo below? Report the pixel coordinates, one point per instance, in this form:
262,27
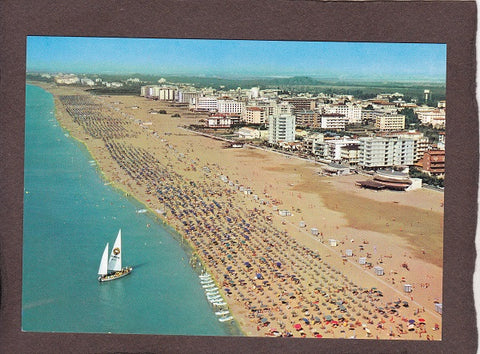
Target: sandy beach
275,276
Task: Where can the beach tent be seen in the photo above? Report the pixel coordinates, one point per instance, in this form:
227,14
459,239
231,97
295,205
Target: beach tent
438,308
407,288
348,253
314,231
333,242
378,270
302,223
362,260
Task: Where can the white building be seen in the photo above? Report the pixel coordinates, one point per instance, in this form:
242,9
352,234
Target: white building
421,143
335,147
311,142
207,103
248,133
333,121
435,117
162,93
352,112
229,106
254,93
380,152
281,128
219,121
187,96
66,79
87,81
280,108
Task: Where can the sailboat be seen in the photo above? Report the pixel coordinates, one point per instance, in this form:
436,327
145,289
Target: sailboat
111,267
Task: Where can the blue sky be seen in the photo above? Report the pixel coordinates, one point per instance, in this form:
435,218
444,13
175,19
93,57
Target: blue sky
234,58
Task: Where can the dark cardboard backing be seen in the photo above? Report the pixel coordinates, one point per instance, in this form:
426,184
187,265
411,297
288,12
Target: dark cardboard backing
453,23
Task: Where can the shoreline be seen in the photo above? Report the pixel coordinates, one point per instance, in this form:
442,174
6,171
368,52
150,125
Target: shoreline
185,244
336,229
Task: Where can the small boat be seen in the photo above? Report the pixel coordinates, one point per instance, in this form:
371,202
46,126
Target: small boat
212,292
219,303
214,298
111,267
209,286
224,319
221,313
141,211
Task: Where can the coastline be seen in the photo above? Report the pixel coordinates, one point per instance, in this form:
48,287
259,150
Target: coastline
186,245
280,188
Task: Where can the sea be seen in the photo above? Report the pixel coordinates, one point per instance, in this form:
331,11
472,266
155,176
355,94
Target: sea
70,213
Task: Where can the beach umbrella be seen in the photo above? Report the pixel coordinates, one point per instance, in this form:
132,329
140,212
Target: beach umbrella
318,336
421,320
297,326
411,321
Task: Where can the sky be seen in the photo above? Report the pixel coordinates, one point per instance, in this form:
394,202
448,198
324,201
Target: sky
237,58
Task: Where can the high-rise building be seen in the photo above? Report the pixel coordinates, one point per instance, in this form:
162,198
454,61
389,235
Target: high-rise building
379,152
281,128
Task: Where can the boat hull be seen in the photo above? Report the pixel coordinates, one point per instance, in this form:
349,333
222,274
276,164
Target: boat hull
116,275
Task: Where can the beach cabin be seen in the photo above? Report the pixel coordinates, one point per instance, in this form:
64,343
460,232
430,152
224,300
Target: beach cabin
314,231
302,224
407,288
378,270
438,308
284,212
333,243
362,260
348,253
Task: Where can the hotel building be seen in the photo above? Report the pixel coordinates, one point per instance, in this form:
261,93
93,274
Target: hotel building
281,128
390,122
255,115
381,152
333,121
229,106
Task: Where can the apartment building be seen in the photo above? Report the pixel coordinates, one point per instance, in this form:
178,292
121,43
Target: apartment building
352,112
306,118
281,128
206,104
435,117
390,122
255,115
433,163
333,121
301,103
381,152
230,106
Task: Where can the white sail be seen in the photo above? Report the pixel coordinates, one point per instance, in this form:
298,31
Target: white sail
102,270
115,261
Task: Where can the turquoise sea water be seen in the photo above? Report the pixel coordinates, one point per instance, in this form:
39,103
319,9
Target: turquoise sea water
69,216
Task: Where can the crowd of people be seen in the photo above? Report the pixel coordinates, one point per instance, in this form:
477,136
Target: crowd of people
282,287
